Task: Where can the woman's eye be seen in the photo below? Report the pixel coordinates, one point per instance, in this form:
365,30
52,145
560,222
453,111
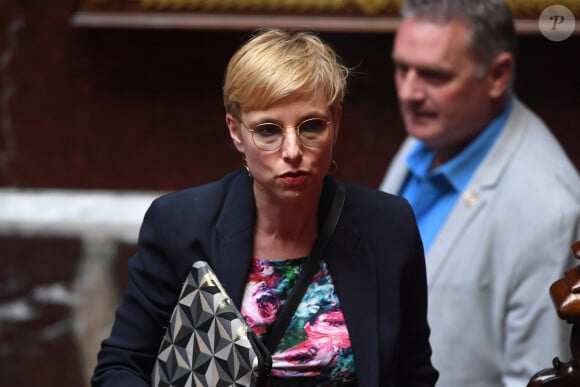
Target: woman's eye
314,125
267,130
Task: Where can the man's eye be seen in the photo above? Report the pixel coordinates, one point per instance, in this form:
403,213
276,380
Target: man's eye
267,130
401,68
436,77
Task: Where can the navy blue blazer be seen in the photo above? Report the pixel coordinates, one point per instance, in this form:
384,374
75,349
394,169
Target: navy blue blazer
375,259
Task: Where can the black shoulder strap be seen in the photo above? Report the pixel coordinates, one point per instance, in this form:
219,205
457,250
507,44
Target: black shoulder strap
309,269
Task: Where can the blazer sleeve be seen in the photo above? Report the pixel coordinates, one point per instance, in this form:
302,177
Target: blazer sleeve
534,334
127,356
392,233
414,364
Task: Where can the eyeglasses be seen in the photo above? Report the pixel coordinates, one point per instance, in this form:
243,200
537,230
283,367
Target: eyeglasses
268,136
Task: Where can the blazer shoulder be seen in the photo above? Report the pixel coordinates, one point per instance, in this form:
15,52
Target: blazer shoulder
373,206
212,191
374,198
539,164
199,204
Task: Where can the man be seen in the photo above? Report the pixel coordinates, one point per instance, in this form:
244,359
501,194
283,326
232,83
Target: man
496,198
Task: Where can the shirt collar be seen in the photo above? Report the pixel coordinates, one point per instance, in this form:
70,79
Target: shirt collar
459,169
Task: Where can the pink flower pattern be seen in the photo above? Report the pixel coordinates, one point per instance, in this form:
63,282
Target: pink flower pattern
316,344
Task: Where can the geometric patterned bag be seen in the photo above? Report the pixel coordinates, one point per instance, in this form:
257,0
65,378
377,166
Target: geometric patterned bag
208,342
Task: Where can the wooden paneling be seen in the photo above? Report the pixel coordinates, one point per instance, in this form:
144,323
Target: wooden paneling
323,15
141,108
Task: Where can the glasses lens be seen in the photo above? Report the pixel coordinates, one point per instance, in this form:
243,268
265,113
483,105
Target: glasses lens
312,131
267,136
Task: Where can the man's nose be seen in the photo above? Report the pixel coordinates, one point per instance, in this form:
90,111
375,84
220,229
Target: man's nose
410,86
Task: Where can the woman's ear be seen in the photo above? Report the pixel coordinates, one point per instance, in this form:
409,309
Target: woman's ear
234,129
500,75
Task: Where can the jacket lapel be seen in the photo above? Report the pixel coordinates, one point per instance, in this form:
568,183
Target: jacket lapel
473,200
479,191
351,268
233,238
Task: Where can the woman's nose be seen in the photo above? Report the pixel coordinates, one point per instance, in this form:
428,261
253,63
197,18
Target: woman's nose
291,145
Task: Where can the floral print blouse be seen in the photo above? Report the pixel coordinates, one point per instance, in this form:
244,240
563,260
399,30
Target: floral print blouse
316,344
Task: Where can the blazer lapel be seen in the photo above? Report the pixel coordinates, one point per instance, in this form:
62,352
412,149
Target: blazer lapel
233,239
351,269
481,187
464,212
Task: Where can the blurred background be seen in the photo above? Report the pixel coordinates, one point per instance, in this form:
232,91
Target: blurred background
106,104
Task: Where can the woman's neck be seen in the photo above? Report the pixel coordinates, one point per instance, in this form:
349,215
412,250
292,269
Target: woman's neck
285,230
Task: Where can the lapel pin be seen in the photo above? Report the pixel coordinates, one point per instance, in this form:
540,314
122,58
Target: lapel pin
470,198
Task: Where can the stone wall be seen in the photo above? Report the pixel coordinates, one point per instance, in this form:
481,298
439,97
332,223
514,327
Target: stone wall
64,256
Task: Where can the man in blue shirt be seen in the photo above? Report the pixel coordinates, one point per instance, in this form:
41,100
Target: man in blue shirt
496,198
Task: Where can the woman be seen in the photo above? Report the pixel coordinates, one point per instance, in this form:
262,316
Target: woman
363,317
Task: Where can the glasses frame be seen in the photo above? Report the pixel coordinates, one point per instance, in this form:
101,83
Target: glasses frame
295,127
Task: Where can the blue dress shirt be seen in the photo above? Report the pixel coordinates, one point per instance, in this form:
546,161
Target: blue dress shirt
433,193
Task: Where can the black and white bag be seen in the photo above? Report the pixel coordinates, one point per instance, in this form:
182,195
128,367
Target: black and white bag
208,342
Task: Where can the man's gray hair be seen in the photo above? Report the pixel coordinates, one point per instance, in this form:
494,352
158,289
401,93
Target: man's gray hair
490,23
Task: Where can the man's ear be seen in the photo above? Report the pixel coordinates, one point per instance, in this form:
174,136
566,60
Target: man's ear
234,129
500,74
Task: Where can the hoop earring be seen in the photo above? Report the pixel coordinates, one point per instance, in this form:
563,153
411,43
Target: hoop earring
246,165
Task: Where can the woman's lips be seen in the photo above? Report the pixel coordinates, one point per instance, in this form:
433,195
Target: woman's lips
293,178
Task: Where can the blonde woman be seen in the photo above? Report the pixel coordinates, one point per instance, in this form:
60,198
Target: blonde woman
362,320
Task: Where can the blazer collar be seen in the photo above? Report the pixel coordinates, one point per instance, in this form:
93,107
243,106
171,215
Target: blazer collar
232,239
475,197
473,200
495,163
352,268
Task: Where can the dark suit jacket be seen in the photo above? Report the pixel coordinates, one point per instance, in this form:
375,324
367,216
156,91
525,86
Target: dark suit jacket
375,259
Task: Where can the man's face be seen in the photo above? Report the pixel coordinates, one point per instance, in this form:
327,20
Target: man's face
444,101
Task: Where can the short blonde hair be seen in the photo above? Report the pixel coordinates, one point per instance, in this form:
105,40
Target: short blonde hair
274,64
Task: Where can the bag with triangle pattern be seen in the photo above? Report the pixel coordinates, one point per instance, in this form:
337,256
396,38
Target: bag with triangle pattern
208,342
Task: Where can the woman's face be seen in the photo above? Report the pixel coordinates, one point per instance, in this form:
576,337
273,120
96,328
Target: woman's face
294,170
